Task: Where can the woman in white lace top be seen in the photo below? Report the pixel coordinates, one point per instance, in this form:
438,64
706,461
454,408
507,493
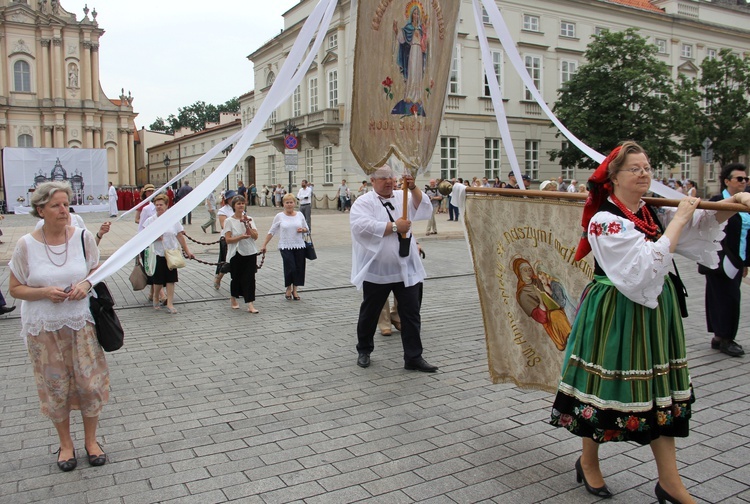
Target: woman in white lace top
69,365
291,227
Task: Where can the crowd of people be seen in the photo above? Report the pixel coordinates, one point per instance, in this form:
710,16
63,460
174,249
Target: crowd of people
630,308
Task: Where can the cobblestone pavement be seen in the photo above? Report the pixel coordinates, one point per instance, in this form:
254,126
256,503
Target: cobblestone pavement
216,405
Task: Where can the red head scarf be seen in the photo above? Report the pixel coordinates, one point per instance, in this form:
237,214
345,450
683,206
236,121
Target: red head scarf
599,189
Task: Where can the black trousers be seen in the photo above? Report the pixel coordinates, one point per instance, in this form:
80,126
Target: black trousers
242,269
409,302
294,266
723,304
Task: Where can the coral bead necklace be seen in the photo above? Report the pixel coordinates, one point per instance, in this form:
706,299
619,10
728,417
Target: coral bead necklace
646,224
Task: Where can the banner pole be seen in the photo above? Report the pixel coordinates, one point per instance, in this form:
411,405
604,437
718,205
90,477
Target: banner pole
657,202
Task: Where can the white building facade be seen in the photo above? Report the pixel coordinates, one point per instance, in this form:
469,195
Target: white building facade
551,37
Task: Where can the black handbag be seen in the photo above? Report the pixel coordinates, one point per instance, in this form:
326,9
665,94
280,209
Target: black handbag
310,253
109,331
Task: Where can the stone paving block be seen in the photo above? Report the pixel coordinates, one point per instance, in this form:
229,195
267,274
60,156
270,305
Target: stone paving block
433,488
350,494
214,496
288,494
392,483
152,496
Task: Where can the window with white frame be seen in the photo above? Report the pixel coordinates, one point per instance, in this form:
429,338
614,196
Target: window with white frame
25,141
333,42
530,22
711,171
491,158
272,168
532,159
567,29
534,67
312,93
711,53
567,172
269,123
328,164
687,51
333,88
270,79
454,79
309,165
485,16
497,64
297,102
686,162
448,157
21,77
568,68
661,46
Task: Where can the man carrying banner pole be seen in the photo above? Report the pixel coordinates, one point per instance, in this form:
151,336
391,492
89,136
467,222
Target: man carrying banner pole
378,268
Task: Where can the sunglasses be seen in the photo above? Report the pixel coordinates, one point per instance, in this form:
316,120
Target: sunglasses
742,179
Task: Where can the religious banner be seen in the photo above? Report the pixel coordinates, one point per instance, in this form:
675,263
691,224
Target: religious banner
401,66
528,282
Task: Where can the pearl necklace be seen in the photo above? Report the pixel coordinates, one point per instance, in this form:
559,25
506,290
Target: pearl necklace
47,249
646,224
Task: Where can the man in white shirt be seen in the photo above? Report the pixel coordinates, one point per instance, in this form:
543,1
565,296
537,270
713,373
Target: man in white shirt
211,209
573,186
377,268
343,195
458,198
304,196
112,194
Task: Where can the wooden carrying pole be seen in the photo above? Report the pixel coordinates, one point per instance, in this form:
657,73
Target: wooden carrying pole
657,202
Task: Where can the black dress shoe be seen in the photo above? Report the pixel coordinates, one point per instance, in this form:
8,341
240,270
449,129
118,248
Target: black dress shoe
6,309
97,460
419,364
715,342
67,465
602,491
663,496
363,360
731,348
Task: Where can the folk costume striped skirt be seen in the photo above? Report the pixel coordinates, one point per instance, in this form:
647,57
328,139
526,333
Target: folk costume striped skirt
625,374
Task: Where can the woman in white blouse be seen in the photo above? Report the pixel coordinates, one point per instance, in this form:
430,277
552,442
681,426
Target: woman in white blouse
173,238
240,233
69,365
291,228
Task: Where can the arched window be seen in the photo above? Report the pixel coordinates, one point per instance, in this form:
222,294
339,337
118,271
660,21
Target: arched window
25,140
22,76
270,79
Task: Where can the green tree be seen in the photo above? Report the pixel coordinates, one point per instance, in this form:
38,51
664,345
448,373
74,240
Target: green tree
623,92
720,108
194,116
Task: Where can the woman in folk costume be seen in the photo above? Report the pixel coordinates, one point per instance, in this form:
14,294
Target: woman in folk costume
625,375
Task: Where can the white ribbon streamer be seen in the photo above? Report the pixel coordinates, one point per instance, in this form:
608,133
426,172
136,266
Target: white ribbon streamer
290,75
501,29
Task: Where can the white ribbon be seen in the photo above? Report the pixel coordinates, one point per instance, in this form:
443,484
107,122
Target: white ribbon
290,76
501,29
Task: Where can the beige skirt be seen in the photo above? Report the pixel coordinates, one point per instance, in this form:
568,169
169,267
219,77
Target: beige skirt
71,372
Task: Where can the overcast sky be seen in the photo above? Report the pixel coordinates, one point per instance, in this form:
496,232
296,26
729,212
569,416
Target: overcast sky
171,53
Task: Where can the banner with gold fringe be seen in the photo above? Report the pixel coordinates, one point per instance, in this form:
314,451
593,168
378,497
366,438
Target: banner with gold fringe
528,282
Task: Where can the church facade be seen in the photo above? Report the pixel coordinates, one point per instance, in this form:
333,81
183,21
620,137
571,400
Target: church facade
50,95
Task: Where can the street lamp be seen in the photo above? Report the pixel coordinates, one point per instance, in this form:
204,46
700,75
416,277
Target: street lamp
290,143
166,165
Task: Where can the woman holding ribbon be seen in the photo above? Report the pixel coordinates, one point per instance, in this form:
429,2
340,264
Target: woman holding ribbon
625,375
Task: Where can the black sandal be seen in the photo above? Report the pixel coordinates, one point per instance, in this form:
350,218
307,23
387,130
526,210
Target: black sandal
67,465
97,460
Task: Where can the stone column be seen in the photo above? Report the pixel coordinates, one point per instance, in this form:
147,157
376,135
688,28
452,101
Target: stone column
45,70
123,169
95,72
131,157
59,142
47,141
97,137
85,75
57,74
88,138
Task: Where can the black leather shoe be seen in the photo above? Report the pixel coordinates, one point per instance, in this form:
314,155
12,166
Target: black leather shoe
363,360
663,496
602,491
67,465
731,348
419,364
6,309
715,342
97,460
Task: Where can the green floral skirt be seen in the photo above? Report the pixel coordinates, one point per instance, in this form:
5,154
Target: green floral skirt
625,374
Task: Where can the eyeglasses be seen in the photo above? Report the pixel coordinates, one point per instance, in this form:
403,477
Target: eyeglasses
638,171
742,179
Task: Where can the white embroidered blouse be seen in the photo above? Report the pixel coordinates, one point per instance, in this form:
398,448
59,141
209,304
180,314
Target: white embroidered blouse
285,226
31,266
637,266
